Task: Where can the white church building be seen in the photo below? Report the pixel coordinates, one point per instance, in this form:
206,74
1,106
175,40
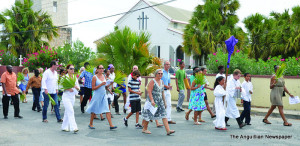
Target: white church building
165,24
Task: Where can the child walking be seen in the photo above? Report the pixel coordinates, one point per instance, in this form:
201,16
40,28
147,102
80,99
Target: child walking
248,87
196,102
220,94
134,98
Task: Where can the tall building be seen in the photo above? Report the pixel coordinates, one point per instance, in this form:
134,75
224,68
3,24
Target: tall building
58,10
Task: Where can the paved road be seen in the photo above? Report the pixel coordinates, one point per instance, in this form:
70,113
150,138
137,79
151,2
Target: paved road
32,131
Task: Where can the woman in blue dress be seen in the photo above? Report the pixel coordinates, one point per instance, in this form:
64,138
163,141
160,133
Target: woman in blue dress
24,83
98,104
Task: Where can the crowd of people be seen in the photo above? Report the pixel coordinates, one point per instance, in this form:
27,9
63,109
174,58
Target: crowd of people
99,88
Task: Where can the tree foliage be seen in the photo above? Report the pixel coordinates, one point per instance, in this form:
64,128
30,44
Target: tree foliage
212,24
276,35
25,30
125,48
75,54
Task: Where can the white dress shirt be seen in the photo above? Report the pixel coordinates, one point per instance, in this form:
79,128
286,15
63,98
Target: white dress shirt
112,76
247,86
49,81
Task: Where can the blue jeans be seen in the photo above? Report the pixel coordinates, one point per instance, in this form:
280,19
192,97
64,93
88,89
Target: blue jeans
46,103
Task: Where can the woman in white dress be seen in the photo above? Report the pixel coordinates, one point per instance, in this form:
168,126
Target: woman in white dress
68,99
220,94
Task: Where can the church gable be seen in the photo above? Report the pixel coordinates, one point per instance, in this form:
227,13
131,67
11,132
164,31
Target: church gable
142,17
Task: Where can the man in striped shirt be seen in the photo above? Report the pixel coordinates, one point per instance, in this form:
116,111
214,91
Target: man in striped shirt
134,98
87,86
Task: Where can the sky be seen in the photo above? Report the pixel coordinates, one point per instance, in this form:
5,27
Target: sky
81,10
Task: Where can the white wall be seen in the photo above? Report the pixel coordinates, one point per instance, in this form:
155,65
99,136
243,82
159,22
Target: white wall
157,26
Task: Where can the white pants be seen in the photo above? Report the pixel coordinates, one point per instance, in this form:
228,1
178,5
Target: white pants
69,118
169,104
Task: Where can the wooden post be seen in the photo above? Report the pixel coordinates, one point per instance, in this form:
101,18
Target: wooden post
226,78
146,82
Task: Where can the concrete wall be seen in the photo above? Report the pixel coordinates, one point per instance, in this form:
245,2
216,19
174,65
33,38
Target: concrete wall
261,91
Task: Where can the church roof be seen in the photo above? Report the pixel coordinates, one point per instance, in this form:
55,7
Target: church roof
175,13
172,13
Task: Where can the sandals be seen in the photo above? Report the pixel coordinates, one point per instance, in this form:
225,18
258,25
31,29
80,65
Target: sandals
220,128
266,121
287,124
186,116
170,132
146,131
45,121
197,123
200,120
65,130
91,127
159,126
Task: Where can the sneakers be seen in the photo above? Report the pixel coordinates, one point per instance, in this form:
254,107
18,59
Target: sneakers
179,109
242,125
125,122
138,126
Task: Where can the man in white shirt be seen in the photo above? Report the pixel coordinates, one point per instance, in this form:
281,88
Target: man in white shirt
112,76
234,91
221,71
167,87
248,87
50,86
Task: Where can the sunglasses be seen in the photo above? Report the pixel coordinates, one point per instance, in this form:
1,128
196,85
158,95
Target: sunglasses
160,73
101,68
71,68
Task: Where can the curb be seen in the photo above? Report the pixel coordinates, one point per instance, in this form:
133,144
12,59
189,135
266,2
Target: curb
253,112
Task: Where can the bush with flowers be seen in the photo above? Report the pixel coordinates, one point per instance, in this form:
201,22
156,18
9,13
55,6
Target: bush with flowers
41,58
240,60
8,58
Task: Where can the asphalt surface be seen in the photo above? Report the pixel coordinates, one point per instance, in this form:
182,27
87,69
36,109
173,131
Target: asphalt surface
32,131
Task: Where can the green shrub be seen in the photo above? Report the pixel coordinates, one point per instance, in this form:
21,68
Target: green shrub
41,58
8,58
240,60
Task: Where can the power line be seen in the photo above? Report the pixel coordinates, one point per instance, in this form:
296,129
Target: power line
86,21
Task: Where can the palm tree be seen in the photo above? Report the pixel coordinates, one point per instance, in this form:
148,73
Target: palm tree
277,35
25,30
125,48
212,24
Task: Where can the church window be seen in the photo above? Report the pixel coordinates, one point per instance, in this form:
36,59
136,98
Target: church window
175,25
158,51
54,6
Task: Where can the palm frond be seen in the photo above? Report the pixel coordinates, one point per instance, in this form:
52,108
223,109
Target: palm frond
119,79
280,71
20,76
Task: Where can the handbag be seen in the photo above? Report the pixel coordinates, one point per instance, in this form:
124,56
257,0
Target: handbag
186,83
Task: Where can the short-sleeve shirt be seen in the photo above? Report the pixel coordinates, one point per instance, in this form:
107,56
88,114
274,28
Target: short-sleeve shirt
180,76
135,86
166,78
10,81
88,79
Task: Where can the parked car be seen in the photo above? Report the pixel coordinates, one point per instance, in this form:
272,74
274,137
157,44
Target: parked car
189,72
172,72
